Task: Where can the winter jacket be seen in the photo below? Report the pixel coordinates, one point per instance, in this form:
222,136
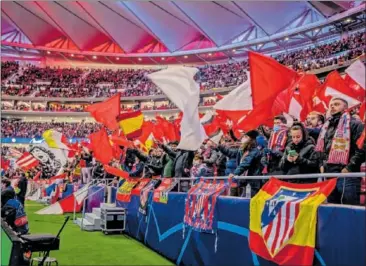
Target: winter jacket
231,154
221,164
306,163
152,165
314,132
168,166
356,156
136,170
182,159
210,162
250,163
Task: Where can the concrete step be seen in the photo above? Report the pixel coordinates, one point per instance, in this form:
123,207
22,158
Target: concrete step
87,226
93,219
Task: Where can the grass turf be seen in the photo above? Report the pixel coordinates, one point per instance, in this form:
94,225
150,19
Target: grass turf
90,248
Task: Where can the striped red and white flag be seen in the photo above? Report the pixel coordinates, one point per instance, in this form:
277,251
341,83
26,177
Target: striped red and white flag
27,161
14,153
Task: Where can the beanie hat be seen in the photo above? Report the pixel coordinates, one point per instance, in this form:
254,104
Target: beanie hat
252,134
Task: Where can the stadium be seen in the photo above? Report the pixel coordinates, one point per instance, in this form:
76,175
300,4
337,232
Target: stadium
183,133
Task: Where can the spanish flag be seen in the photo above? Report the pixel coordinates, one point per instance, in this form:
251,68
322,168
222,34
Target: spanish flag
283,220
131,123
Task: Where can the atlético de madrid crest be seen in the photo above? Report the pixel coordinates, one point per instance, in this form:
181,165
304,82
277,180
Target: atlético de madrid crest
279,216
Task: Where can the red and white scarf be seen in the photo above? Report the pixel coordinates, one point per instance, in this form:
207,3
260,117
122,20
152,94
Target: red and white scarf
341,142
278,140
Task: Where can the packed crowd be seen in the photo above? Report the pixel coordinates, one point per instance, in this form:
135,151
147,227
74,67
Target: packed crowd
8,69
133,82
300,148
325,55
22,129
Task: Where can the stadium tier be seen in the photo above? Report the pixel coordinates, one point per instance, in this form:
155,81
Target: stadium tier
215,133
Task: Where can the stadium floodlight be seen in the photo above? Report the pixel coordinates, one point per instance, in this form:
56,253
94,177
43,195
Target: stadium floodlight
260,45
316,30
234,50
287,38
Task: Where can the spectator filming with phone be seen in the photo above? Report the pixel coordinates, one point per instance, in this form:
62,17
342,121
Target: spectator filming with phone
300,156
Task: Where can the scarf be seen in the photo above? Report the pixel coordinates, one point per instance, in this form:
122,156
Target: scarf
341,142
277,141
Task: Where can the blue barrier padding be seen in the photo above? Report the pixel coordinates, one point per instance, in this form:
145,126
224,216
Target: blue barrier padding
35,140
340,233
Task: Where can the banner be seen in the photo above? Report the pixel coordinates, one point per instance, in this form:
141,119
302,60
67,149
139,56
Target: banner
144,196
161,193
51,160
200,204
142,183
124,191
283,220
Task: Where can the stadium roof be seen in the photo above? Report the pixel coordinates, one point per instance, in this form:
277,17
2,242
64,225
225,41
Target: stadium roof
135,29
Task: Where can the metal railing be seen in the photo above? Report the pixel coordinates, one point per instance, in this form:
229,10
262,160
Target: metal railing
95,182
301,176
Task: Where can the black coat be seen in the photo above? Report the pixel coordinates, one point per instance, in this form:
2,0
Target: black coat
307,162
355,155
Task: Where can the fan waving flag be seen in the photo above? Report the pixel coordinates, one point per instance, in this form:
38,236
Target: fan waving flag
131,124
106,112
27,161
283,220
357,72
179,86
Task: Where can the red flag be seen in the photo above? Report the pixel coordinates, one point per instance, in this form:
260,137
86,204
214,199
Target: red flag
106,112
357,90
272,87
102,149
115,171
268,77
336,86
5,164
219,96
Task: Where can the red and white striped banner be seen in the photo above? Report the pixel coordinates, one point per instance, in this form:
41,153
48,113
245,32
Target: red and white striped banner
27,161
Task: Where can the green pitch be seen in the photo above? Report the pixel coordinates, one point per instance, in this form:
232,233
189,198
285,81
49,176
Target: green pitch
90,248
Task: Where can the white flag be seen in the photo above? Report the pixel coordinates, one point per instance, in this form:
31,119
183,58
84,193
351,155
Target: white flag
238,99
178,85
357,72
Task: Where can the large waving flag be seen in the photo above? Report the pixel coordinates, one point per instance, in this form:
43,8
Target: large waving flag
55,139
178,85
102,149
283,220
106,112
268,79
27,161
336,86
237,103
131,123
357,72
66,205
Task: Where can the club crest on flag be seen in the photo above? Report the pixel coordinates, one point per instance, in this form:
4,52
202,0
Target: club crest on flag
279,215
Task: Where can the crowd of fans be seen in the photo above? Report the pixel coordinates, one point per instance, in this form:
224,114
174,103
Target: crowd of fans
8,69
333,53
74,82
22,129
286,149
